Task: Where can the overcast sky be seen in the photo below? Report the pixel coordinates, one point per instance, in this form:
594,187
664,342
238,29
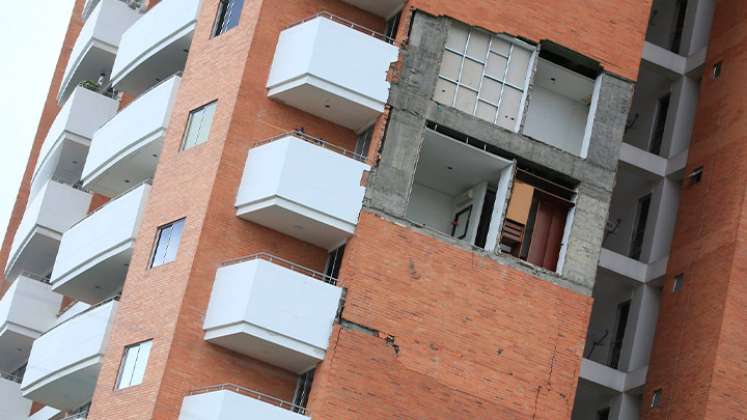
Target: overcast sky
29,46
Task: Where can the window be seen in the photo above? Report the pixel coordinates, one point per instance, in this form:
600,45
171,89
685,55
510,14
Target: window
656,398
603,414
167,243
660,123
198,126
229,12
639,227
535,228
392,25
717,71
678,283
134,362
679,26
484,75
696,175
303,389
334,262
363,142
623,310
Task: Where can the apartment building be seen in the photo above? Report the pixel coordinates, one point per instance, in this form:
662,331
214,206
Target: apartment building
342,209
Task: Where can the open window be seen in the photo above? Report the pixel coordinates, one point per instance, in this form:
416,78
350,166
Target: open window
460,190
537,223
563,100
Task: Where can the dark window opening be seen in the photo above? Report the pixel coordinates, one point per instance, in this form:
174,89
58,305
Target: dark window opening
623,310
303,389
334,262
696,175
679,25
460,225
483,226
229,12
657,135
167,243
639,231
656,398
603,414
392,25
363,142
717,71
535,220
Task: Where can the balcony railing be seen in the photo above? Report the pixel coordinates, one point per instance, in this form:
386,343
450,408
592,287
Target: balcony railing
286,264
254,394
345,22
229,401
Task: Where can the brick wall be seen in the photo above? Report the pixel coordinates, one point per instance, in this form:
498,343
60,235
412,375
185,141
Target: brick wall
698,358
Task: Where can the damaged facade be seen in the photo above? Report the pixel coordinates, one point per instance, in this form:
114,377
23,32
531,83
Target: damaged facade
355,209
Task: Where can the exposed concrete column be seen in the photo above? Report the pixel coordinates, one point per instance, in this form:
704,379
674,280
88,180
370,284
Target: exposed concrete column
625,407
682,108
639,333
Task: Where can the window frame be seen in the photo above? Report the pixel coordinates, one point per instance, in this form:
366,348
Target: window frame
513,43
223,15
118,384
156,243
190,118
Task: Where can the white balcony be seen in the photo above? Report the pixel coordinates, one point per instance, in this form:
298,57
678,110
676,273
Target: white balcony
95,254
27,309
125,151
49,213
229,402
330,69
65,361
12,404
302,189
96,46
273,311
383,8
156,46
65,148
45,413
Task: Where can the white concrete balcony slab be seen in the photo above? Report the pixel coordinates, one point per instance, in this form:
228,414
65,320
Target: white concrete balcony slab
27,309
95,253
12,404
156,46
65,148
383,8
612,378
299,186
272,310
94,50
45,413
333,69
229,402
124,152
49,213
630,268
65,361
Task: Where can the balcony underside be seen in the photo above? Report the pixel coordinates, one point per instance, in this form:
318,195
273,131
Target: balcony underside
68,388
36,254
298,221
97,58
15,345
98,278
270,347
65,159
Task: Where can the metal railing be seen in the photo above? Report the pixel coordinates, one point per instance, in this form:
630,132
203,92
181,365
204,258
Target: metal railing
348,23
11,377
89,309
253,394
74,415
315,141
286,264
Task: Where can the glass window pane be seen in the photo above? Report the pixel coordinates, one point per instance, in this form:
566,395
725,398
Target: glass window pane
500,46
445,91
206,123
141,363
128,366
457,37
486,111
162,243
510,102
471,74
490,90
465,100
496,66
478,45
450,65
519,66
190,135
174,239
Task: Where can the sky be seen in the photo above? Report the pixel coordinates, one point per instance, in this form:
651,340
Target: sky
29,57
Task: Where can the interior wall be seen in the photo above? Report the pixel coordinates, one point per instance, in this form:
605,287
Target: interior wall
430,207
556,120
